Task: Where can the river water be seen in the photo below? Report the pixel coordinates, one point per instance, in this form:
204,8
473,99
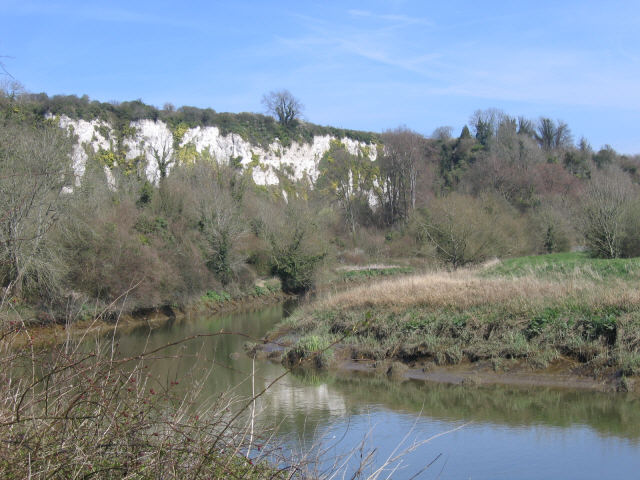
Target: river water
498,432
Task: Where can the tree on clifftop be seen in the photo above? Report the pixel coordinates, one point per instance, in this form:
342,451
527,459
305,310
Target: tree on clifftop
283,106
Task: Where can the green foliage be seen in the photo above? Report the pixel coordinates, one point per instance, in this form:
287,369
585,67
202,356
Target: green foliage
217,297
455,157
294,267
484,132
152,226
146,193
550,239
311,347
296,246
259,291
348,180
630,363
104,131
601,325
312,344
576,164
539,321
565,265
115,157
178,134
605,156
106,157
269,288
538,333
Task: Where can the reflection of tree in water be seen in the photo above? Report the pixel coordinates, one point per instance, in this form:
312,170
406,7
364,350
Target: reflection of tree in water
607,414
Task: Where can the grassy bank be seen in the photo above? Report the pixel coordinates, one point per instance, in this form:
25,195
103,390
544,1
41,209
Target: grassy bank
537,310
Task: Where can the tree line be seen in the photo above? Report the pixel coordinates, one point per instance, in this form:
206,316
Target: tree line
504,186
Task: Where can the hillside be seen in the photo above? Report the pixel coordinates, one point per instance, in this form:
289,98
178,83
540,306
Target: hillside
131,207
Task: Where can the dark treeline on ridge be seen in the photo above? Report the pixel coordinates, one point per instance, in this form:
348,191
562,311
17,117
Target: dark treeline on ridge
255,127
501,187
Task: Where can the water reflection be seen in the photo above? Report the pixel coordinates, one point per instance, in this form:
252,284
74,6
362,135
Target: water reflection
610,415
552,431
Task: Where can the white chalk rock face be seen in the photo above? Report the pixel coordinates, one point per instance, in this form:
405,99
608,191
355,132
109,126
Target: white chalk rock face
154,141
88,136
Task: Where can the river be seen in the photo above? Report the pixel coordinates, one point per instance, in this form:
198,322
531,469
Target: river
498,432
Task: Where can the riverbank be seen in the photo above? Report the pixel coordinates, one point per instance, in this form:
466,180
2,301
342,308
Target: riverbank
39,327
30,331
559,318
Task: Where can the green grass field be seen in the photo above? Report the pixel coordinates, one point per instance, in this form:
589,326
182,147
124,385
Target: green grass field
562,265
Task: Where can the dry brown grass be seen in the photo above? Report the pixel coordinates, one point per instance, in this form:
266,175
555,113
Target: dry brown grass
465,289
450,317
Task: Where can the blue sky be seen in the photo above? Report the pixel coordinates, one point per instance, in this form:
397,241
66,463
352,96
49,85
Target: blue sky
364,65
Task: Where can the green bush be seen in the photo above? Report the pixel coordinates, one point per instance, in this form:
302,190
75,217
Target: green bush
295,269
218,297
297,248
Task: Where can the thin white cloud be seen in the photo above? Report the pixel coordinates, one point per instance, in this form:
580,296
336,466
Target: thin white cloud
380,45
390,17
474,68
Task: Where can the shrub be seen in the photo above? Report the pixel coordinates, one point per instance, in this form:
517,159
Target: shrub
294,267
296,248
85,415
35,169
466,230
606,216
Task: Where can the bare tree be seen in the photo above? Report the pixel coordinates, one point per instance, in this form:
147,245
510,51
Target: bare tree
458,229
442,134
3,69
35,168
403,151
605,209
464,229
283,106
